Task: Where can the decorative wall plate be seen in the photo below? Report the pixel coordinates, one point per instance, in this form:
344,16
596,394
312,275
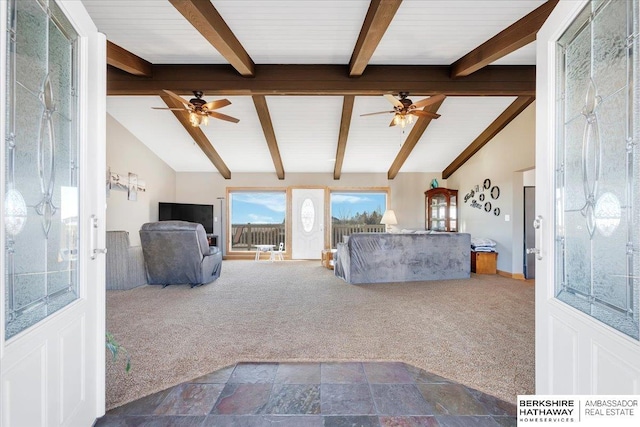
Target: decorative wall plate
495,192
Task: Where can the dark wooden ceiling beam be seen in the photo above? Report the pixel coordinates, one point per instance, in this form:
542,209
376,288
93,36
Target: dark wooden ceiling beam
206,19
345,124
269,134
198,136
516,80
492,130
416,133
379,16
127,61
512,38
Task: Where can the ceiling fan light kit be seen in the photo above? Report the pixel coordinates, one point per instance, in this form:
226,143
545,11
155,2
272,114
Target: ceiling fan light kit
196,119
405,110
402,119
200,110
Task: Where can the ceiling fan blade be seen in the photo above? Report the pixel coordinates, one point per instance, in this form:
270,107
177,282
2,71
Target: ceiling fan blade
178,98
392,99
164,108
393,121
424,113
379,112
216,104
222,117
428,101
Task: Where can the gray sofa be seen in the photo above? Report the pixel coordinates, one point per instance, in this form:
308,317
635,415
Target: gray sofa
124,263
385,257
177,252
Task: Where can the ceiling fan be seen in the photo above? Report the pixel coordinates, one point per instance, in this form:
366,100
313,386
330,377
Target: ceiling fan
405,110
200,110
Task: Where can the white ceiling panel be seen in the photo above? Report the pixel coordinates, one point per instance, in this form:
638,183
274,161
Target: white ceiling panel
441,32
307,129
152,29
295,32
439,145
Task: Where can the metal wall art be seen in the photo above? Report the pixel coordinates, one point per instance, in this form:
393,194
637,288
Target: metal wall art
480,200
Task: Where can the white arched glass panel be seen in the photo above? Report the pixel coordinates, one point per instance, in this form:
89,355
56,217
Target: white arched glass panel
307,215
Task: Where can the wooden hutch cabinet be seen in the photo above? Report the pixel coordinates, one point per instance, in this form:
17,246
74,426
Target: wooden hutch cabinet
441,209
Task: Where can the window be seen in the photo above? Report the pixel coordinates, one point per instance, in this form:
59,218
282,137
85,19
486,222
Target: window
356,212
256,218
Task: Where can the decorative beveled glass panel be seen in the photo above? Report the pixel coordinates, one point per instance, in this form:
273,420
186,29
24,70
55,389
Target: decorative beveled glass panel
41,143
597,220
307,215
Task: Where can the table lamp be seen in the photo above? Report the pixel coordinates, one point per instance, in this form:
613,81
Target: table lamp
388,219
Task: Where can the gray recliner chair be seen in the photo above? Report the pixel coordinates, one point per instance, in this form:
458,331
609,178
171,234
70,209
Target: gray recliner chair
177,252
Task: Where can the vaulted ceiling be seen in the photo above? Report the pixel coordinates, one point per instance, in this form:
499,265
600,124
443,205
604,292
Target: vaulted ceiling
300,73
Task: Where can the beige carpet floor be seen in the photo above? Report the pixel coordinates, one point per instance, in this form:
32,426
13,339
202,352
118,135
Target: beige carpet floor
479,332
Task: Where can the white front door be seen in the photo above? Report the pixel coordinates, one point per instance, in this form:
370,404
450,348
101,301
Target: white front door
52,182
307,223
587,199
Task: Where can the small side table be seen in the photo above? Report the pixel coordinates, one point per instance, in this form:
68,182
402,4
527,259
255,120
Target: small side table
263,248
327,258
484,262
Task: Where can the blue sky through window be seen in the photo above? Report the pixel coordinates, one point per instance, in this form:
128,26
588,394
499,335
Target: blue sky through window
258,208
346,205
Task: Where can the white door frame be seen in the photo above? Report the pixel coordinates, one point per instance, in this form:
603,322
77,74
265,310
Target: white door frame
575,354
67,349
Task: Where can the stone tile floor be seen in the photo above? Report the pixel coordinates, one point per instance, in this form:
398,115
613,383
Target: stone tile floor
316,394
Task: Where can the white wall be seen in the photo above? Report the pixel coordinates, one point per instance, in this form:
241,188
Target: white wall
125,153
503,160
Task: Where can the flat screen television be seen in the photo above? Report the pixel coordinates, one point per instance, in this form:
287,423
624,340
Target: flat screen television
187,212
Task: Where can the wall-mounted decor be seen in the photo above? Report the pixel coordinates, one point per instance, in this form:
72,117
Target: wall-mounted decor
129,183
133,187
495,192
478,198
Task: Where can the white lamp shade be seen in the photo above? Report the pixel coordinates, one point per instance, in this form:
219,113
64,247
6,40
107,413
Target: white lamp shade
389,218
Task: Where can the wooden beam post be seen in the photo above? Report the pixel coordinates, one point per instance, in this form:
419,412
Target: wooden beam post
127,61
269,134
